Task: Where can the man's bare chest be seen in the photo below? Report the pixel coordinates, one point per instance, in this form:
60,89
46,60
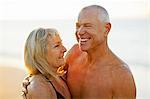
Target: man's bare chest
88,81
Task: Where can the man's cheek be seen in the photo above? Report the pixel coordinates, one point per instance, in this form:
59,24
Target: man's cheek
77,38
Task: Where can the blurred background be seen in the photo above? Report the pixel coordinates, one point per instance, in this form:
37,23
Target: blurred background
129,37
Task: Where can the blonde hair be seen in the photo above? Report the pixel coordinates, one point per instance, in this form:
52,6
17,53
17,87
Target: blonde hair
36,50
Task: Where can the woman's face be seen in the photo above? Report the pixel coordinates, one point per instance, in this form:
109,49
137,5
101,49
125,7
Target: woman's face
55,51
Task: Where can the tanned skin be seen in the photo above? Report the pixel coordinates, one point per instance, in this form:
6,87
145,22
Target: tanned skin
94,71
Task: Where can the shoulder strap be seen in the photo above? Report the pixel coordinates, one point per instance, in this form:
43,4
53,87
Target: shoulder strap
59,96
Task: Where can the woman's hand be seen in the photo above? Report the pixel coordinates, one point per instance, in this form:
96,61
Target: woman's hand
25,84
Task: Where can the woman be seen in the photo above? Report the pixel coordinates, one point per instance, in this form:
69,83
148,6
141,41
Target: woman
44,60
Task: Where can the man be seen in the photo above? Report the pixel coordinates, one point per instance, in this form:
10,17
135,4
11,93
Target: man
94,71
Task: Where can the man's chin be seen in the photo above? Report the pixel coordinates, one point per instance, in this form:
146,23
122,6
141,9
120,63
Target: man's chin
83,48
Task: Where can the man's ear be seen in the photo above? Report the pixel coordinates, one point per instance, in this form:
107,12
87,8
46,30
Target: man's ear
107,28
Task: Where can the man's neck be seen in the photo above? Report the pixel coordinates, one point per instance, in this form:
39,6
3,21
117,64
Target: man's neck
99,53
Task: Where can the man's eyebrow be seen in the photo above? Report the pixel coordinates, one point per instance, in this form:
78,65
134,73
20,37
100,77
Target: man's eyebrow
77,24
87,23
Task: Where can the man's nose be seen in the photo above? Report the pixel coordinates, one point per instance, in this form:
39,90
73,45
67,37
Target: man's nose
81,30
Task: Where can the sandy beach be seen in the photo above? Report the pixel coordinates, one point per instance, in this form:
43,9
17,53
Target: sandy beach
10,82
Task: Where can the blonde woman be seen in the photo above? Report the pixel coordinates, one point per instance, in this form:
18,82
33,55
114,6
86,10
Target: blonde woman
44,61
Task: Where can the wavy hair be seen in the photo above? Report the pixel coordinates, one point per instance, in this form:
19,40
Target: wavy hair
35,51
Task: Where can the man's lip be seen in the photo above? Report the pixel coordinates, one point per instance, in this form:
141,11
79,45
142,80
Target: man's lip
83,39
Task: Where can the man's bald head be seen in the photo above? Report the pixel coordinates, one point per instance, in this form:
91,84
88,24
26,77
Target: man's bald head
102,12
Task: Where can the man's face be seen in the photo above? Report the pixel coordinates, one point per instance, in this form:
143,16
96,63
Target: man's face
89,30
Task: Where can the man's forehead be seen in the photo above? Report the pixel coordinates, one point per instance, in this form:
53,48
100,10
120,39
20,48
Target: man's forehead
87,15
86,19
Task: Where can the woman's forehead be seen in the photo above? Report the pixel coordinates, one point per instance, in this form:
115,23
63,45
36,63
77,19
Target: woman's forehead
55,38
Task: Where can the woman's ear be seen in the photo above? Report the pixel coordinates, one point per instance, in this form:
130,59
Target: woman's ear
107,28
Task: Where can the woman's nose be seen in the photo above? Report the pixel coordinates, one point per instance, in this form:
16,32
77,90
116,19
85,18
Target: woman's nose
64,49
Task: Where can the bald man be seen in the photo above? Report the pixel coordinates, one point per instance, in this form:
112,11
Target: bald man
94,71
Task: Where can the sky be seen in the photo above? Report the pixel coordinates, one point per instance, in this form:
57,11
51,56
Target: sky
68,9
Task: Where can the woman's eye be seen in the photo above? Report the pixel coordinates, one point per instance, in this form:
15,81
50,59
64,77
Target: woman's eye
56,45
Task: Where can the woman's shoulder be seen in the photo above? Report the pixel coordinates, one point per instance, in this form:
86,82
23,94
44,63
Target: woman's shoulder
40,87
37,80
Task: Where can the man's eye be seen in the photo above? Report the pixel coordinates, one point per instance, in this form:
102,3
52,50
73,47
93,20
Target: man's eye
87,25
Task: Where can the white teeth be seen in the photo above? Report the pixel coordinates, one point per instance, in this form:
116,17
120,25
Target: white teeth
83,40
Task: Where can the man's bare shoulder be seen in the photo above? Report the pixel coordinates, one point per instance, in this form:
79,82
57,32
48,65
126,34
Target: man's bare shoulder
123,82
39,87
74,49
73,53
120,72
119,66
